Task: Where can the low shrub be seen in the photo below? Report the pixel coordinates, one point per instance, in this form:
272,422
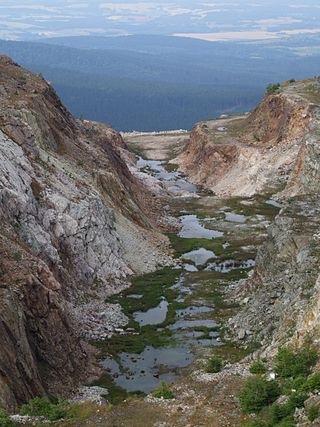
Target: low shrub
258,393
279,412
258,367
290,364
312,383
287,422
5,420
163,391
215,364
289,384
296,399
313,413
273,88
43,407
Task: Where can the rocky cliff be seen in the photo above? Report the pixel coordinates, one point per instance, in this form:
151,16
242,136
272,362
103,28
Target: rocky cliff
75,224
264,151
274,150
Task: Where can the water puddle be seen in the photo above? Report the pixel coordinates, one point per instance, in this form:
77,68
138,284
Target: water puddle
143,372
174,181
190,268
193,310
230,265
154,316
135,296
274,203
167,350
191,324
233,217
191,228
184,291
199,256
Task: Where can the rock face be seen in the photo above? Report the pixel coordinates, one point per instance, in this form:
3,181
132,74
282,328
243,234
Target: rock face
261,152
70,213
275,149
281,298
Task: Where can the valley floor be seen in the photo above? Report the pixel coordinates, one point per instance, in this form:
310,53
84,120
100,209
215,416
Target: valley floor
215,247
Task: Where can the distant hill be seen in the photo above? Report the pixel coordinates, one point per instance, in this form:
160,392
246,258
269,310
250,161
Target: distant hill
158,82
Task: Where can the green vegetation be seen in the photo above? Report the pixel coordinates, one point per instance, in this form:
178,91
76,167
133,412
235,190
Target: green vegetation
115,394
290,364
313,412
163,391
293,380
136,343
182,245
5,420
153,287
258,393
53,409
273,88
258,367
17,256
215,364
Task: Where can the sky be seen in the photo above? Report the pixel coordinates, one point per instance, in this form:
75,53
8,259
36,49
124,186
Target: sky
211,20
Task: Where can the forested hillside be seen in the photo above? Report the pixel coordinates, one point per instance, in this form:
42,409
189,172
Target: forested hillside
158,82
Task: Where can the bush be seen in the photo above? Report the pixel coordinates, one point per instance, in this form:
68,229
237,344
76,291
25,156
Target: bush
290,364
163,391
312,383
215,364
313,413
289,384
258,367
287,422
43,407
258,393
296,400
273,88
5,420
279,412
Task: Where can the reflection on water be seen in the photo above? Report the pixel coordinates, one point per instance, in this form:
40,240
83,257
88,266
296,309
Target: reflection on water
229,265
154,316
174,181
143,372
191,228
199,256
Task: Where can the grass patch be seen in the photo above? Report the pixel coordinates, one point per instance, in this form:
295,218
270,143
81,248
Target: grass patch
53,409
116,394
182,245
136,343
163,391
215,364
153,287
258,367
5,420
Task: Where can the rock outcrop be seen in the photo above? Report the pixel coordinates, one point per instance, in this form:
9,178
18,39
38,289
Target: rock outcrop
72,219
280,301
264,151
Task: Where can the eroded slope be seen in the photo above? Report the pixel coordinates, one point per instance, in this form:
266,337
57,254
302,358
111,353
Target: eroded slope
72,220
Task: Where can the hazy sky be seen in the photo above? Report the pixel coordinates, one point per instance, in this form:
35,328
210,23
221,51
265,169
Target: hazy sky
25,19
